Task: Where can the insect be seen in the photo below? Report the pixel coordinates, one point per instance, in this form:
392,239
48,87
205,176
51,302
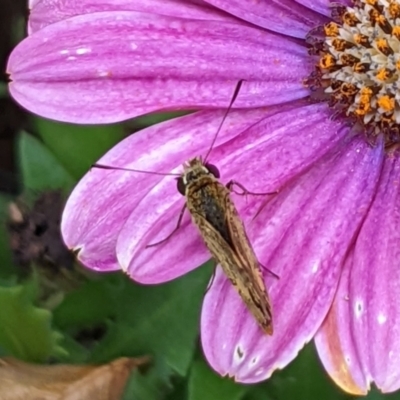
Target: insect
215,215
219,224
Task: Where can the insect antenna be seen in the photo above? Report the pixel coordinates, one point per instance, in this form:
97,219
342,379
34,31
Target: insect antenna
102,166
234,97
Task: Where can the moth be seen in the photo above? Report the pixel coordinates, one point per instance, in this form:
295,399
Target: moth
219,224
214,214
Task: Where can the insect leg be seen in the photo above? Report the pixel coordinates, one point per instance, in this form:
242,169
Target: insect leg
274,274
244,192
176,228
230,185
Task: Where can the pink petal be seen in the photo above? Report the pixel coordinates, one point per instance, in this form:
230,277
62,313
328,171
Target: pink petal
335,344
33,3
282,16
156,216
254,157
359,342
110,66
47,12
323,7
303,236
103,199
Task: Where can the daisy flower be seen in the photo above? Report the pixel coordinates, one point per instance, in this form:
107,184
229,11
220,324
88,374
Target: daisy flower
317,118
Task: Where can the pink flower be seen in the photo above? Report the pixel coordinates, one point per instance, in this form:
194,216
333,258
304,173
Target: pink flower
331,234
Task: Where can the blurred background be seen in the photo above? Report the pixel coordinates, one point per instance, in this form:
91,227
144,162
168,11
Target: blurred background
12,118
53,311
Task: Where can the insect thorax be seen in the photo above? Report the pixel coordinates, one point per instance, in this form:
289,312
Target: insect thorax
194,170
205,196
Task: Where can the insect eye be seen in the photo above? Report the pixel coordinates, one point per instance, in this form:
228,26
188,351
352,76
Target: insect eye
180,185
213,170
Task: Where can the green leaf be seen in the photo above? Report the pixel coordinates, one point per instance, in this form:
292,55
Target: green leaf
146,120
74,352
3,90
40,169
261,392
7,268
160,320
93,302
26,331
304,378
204,383
154,383
77,147
374,394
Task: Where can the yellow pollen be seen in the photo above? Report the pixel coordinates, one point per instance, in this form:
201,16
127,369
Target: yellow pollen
377,17
358,70
327,61
383,74
366,91
386,103
394,10
361,40
340,44
364,104
396,31
349,59
350,19
348,89
331,29
383,45
374,15
362,109
381,19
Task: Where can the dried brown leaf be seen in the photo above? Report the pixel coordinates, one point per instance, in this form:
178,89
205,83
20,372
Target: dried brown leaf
22,381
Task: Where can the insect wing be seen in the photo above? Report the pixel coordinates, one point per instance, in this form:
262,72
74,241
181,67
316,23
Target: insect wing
245,277
258,301
219,248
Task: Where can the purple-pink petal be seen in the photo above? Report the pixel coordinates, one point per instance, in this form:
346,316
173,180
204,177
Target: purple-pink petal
281,16
156,216
252,157
103,200
323,7
335,344
110,66
46,12
303,236
359,342
32,3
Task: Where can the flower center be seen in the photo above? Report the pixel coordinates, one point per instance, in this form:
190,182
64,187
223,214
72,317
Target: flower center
358,71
